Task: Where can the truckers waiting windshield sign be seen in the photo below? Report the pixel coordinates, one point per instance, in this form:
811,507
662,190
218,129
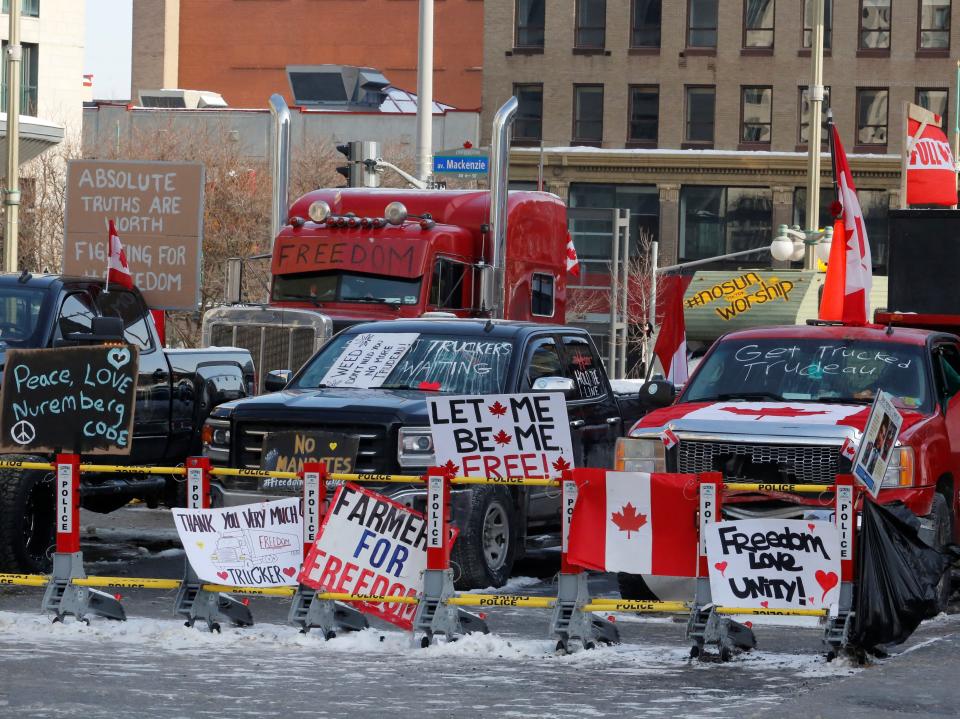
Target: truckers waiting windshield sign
74,399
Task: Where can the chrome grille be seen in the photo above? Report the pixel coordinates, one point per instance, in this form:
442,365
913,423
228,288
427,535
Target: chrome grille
773,462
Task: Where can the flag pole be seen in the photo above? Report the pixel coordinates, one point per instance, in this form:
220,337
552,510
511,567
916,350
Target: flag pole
106,277
833,156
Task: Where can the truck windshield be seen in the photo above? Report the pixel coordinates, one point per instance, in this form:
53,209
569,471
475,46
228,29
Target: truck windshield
812,370
434,362
319,287
20,311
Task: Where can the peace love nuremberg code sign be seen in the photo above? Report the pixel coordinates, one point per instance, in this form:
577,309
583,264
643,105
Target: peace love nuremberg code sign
72,399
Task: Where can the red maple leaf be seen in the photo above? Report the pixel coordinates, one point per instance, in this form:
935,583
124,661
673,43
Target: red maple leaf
627,519
561,464
772,412
497,409
502,437
582,361
450,469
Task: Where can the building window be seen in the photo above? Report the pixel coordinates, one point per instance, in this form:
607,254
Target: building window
645,23
756,113
934,25
875,25
28,79
528,125
808,23
530,21
803,136
28,8
935,99
719,220
758,23
700,113
872,116
702,23
588,114
541,295
591,23
875,205
643,126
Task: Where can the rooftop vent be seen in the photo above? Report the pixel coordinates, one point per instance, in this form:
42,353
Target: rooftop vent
345,87
183,99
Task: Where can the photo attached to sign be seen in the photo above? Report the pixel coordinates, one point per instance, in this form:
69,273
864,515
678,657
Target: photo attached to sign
250,545
288,451
501,435
369,544
71,399
774,563
879,439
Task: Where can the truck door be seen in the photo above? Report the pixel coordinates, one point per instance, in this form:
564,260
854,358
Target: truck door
593,408
542,359
151,419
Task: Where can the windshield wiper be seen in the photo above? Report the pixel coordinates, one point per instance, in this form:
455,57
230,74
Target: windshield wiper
295,298
842,400
375,300
745,396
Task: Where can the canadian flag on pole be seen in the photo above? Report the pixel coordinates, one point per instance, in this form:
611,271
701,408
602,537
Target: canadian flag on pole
118,271
671,346
635,522
573,264
846,290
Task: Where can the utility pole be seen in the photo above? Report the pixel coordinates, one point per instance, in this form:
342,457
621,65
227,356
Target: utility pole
815,96
425,92
11,197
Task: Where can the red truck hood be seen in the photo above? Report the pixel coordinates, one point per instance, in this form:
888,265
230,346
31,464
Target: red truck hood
810,419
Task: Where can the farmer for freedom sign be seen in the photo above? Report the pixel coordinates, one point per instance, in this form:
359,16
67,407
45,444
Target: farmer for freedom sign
774,563
72,399
158,207
501,435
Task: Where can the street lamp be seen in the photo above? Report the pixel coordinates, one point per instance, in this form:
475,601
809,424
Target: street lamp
791,243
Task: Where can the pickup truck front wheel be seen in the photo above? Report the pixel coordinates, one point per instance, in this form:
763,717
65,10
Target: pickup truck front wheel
27,519
487,544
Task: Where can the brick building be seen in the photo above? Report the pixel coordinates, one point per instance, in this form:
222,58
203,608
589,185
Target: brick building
242,49
692,113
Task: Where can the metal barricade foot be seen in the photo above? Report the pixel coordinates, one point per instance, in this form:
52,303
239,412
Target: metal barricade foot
62,598
838,626
706,627
569,622
435,616
307,612
194,602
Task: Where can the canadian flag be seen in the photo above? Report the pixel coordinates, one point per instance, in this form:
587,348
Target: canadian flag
635,522
846,290
931,177
671,346
848,449
118,271
573,264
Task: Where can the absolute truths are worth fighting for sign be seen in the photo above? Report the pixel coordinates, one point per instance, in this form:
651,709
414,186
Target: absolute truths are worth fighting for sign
501,435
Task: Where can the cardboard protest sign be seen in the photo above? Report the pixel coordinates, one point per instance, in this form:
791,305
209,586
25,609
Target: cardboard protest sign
288,451
73,399
774,563
370,545
876,447
158,208
368,359
250,545
501,435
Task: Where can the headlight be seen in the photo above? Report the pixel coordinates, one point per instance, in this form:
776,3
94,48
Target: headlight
900,471
216,439
640,454
415,447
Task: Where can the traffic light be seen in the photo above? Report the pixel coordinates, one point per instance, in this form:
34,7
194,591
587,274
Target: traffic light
350,171
360,170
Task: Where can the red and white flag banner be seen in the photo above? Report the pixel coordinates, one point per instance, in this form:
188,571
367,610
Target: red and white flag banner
931,172
573,262
118,271
635,522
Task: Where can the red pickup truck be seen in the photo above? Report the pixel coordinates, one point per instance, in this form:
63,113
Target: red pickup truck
774,405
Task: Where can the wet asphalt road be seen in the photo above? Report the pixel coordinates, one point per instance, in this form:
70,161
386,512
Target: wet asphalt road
152,666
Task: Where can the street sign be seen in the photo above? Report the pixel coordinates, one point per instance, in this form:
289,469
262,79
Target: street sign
461,164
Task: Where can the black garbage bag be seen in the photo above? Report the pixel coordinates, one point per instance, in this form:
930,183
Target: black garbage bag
898,575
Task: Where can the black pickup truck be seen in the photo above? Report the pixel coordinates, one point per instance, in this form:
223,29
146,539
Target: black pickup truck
496,525
176,389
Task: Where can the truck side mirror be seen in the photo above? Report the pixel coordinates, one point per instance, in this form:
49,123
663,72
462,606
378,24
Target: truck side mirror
657,393
276,380
564,385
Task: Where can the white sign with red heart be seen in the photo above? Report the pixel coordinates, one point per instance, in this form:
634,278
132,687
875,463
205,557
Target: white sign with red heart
774,564
251,545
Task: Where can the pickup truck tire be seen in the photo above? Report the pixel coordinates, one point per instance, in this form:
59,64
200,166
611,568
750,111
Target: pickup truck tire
633,587
27,519
487,544
943,535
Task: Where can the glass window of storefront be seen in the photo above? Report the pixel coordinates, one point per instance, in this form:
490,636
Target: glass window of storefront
720,220
875,205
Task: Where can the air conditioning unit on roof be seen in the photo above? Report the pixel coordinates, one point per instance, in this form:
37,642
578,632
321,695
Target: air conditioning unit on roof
182,99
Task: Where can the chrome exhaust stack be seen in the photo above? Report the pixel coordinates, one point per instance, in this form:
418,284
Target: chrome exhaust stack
492,293
279,166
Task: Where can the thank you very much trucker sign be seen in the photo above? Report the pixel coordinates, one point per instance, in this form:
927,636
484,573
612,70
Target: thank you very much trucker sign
74,399
158,208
